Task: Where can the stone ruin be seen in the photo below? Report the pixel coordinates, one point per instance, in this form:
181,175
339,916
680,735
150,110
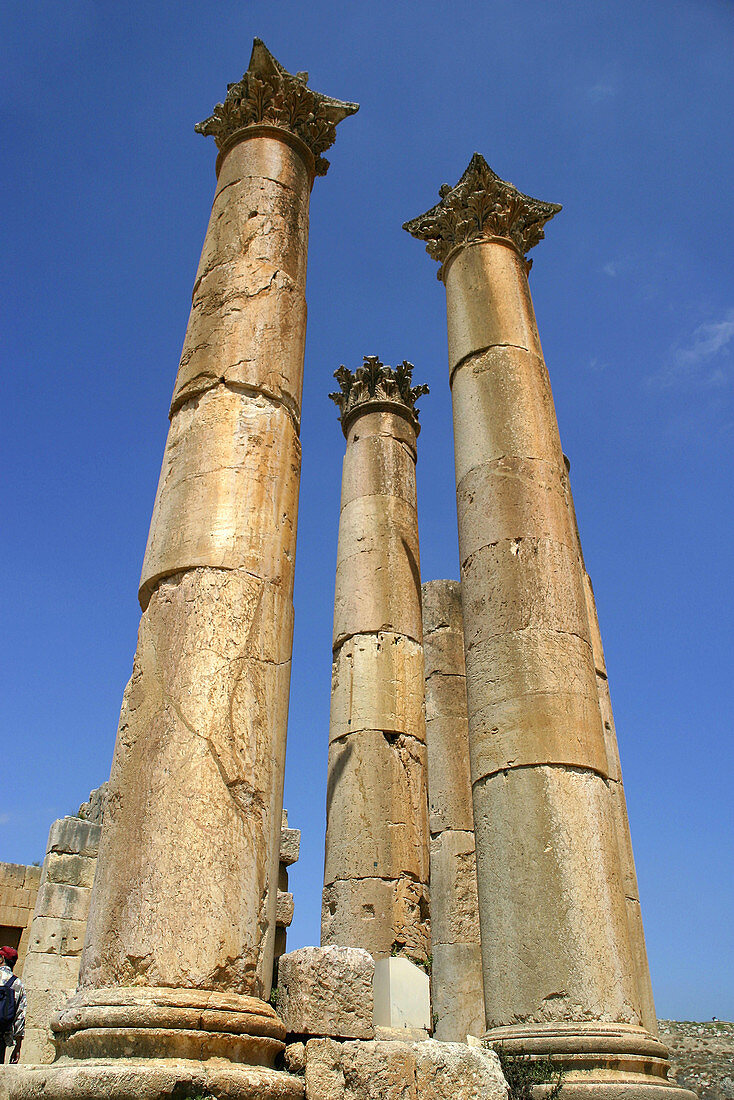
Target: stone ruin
476,821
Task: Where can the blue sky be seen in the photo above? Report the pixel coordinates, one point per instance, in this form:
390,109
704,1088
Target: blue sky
621,112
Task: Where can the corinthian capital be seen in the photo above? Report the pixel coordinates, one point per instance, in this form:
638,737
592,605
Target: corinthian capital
267,95
480,206
379,386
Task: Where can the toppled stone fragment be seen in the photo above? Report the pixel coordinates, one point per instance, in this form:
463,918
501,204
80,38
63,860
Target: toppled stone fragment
386,1070
327,991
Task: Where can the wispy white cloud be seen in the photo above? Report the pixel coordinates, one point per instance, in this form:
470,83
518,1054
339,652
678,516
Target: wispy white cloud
704,360
596,365
601,91
4,819
621,265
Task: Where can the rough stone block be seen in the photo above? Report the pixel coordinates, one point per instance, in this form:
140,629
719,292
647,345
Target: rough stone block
32,877
377,683
377,808
15,897
51,971
504,398
57,899
390,1070
454,905
458,1072
379,914
327,991
13,874
73,836
442,607
290,846
501,314
55,935
457,996
69,870
402,995
284,909
449,783
359,1071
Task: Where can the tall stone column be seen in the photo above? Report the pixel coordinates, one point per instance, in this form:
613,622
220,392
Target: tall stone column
457,995
178,956
559,968
619,802
376,865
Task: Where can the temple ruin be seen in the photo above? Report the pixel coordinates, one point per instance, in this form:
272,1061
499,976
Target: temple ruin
479,886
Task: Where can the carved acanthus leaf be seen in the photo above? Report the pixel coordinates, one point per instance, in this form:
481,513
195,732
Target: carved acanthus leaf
269,95
374,382
481,205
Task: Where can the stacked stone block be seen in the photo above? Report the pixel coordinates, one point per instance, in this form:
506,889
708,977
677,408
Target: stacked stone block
456,971
290,845
376,861
18,890
58,929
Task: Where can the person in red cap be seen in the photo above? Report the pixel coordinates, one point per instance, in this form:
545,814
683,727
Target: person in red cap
12,1006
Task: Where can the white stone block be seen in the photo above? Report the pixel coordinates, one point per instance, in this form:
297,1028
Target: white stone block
402,995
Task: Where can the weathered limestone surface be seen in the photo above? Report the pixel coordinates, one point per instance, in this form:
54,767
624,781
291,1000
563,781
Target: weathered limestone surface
59,924
619,802
18,890
560,972
376,863
327,991
401,1071
52,965
456,984
184,908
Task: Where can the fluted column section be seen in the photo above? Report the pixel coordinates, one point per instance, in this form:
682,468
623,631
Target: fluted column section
376,863
558,963
457,996
178,956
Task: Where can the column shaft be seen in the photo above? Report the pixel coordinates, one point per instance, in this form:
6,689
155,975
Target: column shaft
560,969
196,783
178,957
376,861
457,995
541,803
619,802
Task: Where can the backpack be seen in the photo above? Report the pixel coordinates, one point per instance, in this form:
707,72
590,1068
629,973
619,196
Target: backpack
7,1003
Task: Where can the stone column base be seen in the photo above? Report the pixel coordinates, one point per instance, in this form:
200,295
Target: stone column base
154,1044
151,1079
600,1061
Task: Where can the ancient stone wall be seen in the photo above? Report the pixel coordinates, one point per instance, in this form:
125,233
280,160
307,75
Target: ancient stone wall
58,929
18,890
